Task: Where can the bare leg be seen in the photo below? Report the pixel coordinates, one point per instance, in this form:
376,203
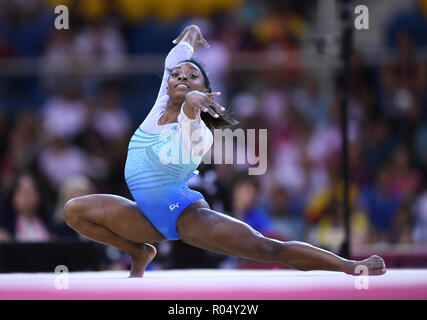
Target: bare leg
114,221
198,224
207,246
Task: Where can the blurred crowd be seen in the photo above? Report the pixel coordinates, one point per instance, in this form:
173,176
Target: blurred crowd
64,136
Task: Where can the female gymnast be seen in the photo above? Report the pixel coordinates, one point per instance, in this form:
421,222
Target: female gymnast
165,208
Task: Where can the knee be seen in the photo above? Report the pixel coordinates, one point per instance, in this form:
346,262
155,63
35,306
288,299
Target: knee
73,210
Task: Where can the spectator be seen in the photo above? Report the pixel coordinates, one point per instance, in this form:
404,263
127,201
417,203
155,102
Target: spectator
313,102
325,215
246,206
75,186
25,217
401,231
100,40
381,204
404,79
379,144
289,152
287,213
406,178
60,160
64,115
110,120
23,143
58,59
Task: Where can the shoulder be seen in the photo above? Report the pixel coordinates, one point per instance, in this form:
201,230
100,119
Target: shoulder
150,122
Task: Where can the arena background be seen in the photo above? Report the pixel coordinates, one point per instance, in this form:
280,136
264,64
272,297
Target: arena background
71,99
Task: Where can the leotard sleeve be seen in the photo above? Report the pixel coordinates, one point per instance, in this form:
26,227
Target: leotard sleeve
196,138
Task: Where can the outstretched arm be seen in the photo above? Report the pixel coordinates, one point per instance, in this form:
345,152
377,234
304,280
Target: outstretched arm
186,46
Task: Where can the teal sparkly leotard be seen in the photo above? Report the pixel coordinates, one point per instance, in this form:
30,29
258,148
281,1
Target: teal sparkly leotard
160,162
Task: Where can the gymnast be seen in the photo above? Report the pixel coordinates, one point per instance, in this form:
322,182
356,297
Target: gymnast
165,208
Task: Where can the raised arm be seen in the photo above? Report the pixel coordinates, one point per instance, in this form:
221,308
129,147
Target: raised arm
193,36
186,46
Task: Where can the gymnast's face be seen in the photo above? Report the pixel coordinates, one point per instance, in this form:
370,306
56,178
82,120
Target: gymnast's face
185,77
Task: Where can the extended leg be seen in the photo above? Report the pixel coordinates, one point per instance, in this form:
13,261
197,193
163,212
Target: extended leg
114,221
234,236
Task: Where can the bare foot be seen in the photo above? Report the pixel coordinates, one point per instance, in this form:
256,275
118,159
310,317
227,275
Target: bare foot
375,266
141,260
